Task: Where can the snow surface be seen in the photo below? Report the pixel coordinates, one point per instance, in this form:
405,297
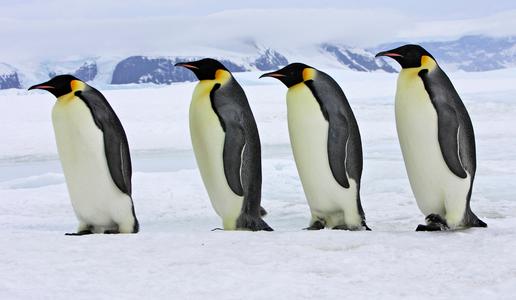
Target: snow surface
176,256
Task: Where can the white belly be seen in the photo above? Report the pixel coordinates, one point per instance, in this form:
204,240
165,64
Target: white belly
309,138
95,198
436,188
208,145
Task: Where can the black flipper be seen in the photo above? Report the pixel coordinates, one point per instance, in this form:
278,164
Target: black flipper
446,102
337,137
234,144
115,140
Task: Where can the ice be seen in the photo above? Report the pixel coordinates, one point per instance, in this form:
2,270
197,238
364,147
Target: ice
176,256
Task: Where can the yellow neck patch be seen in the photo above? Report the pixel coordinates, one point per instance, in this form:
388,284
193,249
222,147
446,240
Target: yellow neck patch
221,76
205,86
427,62
75,85
308,74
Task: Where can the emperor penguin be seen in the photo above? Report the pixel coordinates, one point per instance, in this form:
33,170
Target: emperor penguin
227,146
437,140
94,155
326,145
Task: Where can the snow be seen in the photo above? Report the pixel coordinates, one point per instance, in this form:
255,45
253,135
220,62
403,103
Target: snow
177,256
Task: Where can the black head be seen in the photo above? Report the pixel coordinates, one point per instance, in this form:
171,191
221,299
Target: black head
290,75
58,86
408,56
204,69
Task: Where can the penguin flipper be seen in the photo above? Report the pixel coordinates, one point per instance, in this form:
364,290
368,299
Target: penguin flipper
338,131
448,134
455,131
234,144
115,140
338,135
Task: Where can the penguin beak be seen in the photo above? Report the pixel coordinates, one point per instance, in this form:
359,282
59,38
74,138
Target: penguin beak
273,74
41,86
186,65
388,53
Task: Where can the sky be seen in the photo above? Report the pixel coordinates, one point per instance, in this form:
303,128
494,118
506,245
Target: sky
56,28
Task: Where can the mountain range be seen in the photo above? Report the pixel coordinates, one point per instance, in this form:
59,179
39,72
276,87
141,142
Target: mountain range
470,53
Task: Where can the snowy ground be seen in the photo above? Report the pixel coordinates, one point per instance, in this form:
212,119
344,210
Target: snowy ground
176,256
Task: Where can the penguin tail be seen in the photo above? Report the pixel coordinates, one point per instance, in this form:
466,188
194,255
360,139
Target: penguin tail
471,220
136,227
263,212
248,222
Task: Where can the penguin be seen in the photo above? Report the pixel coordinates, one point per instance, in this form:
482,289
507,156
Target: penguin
437,140
94,155
227,146
327,148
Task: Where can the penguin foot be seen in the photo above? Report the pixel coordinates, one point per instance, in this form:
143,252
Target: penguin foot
422,227
317,225
217,229
341,227
111,231
437,220
248,222
82,232
346,227
434,222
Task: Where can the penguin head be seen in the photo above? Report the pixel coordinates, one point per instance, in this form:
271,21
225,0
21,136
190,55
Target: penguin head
59,85
408,56
292,74
204,69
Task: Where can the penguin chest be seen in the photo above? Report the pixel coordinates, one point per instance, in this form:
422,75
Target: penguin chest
416,121
308,132
93,193
208,144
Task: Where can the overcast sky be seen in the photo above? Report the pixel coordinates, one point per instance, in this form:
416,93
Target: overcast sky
49,29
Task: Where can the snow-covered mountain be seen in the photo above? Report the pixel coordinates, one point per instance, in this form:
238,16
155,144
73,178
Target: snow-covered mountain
357,59
469,53
8,77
